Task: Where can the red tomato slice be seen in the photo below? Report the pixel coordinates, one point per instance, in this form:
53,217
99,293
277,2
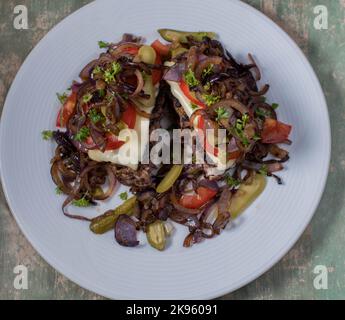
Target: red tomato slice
202,127
157,74
202,196
275,131
202,130
161,49
113,142
131,50
185,89
66,110
129,116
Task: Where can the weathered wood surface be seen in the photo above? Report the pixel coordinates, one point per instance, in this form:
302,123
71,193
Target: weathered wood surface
323,241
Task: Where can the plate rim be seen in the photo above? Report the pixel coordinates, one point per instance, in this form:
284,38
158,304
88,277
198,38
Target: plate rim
293,239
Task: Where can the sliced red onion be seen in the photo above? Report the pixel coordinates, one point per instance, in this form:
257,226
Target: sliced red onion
86,72
274,167
192,238
192,58
111,187
232,103
232,146
205,63
277,152
140,83
261,92
223,210
98,138
209,184
75,86
175,73
210,214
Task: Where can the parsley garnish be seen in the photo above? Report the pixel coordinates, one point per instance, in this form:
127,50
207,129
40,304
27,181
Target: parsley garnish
109,74
256,137
222,114
262,113
193,106
62,97
58,190
275,106
116,67
207,71
103,44
87,98
190,78
81,202
123,196
47,134
264,170
232,182
239,129
83,133
207,86
95,116
210,99
97,70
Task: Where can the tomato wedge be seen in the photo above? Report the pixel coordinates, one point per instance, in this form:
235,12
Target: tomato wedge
129,118
113,142
202,131
275,131
201,126
66,110
185,89
202,196
161,49
131,50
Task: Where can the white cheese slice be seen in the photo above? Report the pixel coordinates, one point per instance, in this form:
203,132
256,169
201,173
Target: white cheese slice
138,138
187,106
137,141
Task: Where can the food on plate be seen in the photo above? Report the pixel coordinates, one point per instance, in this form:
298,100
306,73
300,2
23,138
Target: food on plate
192,82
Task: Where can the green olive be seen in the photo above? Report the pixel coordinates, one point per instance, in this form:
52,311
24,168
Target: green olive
181,36
156,235
170,178
106,221
147,54
246,194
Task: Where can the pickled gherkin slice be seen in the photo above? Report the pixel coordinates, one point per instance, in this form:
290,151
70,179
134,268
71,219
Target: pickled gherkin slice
156,235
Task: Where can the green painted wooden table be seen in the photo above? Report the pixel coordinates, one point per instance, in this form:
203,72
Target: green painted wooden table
323,241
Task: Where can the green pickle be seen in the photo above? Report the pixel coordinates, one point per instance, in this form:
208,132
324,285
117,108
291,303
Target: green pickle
246,195
181,36
170,178
156,235
178,51
106,221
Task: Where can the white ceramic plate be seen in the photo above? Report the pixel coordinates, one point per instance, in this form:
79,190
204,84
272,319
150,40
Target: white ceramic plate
261,237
